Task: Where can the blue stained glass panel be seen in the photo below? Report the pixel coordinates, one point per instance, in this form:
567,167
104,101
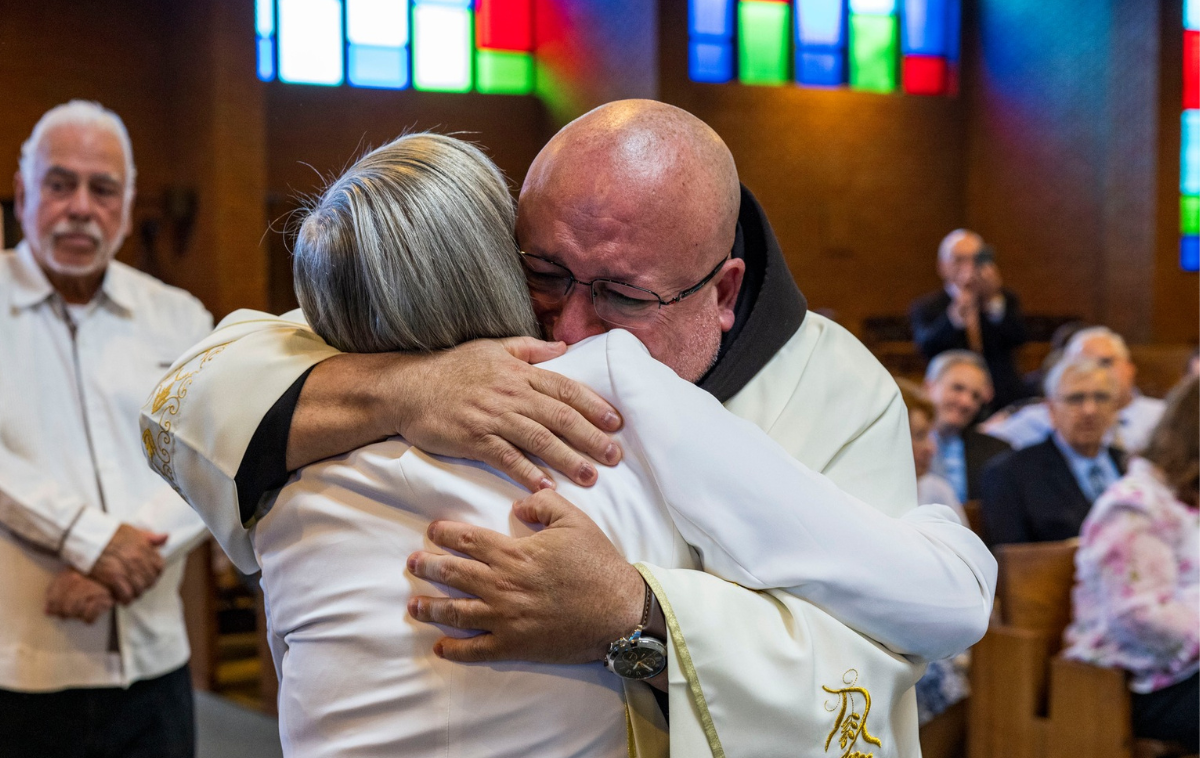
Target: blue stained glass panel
821,23
266,58
264,17
710,59
713,18
821,68
873,7
385,67
953,29
1189,253
1191,14
1189,173
923,29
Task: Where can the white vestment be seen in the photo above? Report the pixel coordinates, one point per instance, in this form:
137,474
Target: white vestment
833,408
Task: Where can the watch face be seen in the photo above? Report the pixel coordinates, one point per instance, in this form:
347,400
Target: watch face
639,663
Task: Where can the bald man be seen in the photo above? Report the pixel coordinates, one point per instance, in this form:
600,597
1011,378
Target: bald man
634,200
973,311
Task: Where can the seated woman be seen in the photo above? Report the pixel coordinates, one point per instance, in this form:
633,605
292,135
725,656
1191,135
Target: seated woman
412,249
1137,577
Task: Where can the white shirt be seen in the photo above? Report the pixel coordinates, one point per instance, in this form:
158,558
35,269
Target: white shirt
934,490
72,470
1135,422
357,675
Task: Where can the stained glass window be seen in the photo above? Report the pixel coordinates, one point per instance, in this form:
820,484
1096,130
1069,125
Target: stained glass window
909,46
438,45
1189,162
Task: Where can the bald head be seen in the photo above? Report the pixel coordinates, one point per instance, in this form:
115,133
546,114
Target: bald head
647,161
646,194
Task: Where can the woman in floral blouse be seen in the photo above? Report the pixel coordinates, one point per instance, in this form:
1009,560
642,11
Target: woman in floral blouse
1137,577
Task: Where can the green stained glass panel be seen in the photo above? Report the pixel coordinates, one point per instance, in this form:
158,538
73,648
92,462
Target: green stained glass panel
764,32
873,54
1189,214
503,72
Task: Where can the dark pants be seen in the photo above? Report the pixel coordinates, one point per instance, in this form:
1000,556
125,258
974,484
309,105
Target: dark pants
154,718
1172,713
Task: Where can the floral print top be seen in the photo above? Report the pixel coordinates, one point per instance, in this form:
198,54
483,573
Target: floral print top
1137,583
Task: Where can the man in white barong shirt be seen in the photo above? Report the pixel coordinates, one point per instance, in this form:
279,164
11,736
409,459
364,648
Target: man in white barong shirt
802,379
93,648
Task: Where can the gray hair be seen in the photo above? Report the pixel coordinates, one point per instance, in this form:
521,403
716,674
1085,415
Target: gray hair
78,113
1079,339
946,248
412,248
951,358
1071,366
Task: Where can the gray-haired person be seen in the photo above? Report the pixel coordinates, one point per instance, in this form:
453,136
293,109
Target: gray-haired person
93,649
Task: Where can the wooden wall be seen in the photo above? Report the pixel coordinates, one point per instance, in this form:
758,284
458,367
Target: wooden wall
1062,148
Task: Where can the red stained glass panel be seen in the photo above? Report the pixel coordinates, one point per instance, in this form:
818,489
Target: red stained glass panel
1191,69
925,75
504,24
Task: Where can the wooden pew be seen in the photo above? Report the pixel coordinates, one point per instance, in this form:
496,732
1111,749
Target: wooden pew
1026,700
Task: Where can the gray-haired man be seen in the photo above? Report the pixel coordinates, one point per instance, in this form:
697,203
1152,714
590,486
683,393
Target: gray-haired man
93,650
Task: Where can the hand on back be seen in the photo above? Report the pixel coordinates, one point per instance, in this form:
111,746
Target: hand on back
485,401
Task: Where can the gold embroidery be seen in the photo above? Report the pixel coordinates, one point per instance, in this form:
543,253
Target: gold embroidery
850,724
166,404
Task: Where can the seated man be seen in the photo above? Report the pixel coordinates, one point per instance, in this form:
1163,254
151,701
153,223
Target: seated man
1042,493
959,385
1136,413
972,312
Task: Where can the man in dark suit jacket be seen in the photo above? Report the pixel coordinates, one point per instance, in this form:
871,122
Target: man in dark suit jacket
959,385
1044,492
973,312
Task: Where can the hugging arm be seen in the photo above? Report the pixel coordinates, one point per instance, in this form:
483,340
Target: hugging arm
921,584
263,395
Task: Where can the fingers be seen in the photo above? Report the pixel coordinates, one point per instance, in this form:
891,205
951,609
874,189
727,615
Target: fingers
533,350
156,540
466,613
462,574
546,508
532,436
479,543
482,647
590,405
511,462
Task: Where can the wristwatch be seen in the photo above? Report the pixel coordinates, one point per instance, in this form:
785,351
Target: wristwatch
638,656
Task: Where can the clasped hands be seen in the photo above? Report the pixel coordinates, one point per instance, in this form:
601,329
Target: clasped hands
129,565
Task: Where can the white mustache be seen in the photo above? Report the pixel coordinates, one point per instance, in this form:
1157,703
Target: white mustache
88,228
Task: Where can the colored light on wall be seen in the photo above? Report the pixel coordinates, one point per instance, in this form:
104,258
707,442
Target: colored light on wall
441,47
763,34
310,41
1191,14
873,52
820,69
504,72
377,31
711,18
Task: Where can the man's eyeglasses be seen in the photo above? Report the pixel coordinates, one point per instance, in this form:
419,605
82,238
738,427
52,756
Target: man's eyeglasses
1078,399
618,303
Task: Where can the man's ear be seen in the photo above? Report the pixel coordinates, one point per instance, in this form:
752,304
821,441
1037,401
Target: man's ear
729,284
